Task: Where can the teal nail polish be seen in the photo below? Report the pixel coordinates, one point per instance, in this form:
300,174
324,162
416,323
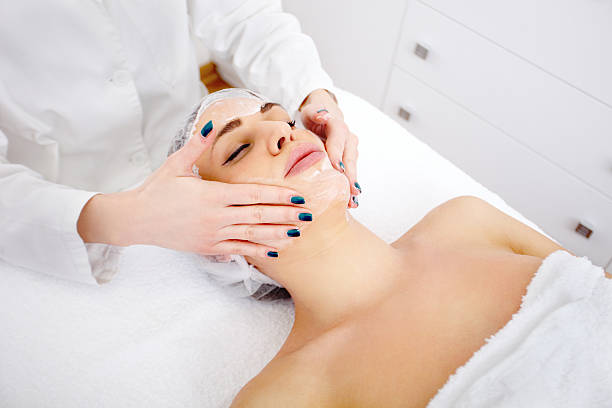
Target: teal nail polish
358,186
305,217
273,254
322,110
298,200
355,200
207,128
293,232
341,165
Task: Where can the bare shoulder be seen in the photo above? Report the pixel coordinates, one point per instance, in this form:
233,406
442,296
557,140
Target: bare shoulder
286,382
474,221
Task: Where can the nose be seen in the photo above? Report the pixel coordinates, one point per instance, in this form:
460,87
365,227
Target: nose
281,135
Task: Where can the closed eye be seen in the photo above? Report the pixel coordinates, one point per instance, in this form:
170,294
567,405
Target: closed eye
236,153
244,146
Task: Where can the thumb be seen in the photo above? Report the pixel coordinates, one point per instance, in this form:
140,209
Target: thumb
315,118
315,114
196,146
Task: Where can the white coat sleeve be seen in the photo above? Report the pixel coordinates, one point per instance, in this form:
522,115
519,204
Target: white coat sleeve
263,46
38,224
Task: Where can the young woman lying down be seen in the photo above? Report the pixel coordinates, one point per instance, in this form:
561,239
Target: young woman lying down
386,325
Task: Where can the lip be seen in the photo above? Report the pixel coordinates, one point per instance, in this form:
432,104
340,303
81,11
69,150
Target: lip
298,153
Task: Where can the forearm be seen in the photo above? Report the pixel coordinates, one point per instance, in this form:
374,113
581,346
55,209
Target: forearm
109,219
39,220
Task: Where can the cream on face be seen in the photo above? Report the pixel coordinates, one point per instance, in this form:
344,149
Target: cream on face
261,142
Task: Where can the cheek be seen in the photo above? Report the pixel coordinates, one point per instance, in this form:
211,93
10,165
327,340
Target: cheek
202,168
247,170
323,188
207,170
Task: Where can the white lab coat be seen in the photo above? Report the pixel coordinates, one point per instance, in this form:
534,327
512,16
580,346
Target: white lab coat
92,92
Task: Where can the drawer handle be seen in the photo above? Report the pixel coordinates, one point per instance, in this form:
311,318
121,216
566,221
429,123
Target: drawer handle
585,229
421,51
405,112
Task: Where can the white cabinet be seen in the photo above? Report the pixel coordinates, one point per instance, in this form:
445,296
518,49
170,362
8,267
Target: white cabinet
551,117
500,93
570,39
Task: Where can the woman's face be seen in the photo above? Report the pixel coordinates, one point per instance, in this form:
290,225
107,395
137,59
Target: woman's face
253,144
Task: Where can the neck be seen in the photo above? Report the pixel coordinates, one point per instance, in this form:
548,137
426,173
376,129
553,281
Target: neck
337,268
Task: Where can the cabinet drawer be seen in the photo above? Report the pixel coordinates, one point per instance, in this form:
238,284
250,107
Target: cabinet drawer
540,190
571,129
571,39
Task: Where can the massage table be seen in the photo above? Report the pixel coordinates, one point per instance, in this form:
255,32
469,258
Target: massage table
162,333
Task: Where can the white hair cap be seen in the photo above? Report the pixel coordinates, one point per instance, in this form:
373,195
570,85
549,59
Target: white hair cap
231,271
238,276
187,130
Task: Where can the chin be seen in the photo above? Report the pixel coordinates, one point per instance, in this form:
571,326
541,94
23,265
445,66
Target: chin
322,186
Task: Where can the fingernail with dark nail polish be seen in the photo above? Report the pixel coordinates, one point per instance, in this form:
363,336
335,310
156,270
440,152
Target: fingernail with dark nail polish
305,217
298,200
341,165
355,200
358,186
207,128
293,232
273,254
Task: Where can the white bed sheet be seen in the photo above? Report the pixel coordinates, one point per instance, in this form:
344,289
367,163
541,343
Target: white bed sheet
162,334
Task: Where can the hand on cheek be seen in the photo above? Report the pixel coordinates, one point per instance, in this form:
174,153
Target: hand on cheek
341,146
340,143
350,156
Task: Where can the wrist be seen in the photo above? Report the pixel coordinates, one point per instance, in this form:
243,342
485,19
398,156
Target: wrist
108,219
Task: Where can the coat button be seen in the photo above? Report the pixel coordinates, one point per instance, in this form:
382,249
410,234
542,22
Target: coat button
121,78
138,158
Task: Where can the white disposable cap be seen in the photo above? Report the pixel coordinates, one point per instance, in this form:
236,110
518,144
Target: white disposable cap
187,130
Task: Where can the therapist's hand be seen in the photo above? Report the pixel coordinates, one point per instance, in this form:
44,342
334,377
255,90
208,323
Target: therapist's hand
322,116
175,209
187,213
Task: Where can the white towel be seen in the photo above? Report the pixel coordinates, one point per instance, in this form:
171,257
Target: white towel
556,351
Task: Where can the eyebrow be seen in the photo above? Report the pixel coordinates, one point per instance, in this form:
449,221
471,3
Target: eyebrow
233,124
267,106
229,126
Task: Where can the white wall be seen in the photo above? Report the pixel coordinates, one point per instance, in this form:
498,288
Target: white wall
353,40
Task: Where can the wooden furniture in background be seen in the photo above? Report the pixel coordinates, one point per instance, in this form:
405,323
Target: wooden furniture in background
211,79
